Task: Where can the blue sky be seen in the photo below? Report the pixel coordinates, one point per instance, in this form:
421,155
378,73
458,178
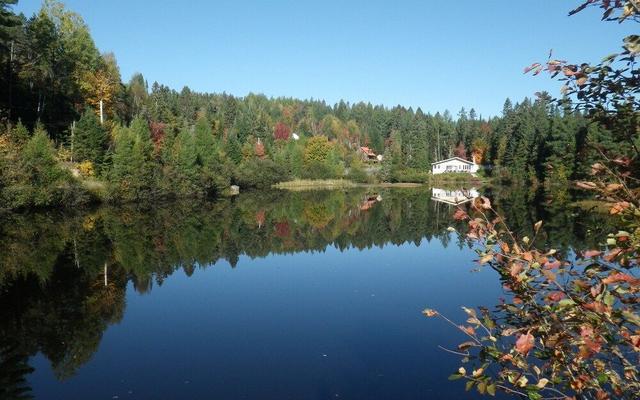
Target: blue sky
435,55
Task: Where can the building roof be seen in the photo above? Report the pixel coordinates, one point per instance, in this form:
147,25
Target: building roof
454,158
368,151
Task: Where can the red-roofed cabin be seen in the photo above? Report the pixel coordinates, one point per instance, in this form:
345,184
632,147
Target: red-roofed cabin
368,154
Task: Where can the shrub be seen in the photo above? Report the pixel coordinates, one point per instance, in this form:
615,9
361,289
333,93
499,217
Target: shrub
86,168
358,174
318,170
257,173
411,175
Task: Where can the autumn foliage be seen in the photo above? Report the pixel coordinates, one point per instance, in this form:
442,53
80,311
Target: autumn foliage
569,327
281,131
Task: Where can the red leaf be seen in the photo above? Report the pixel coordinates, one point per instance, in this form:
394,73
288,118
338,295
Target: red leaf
553,264
555,296
592,342
525,343
586,185
460,215
621,277
635,341
619,207
515,269
430,313
591,253
598,307
468,330
612,255
624,161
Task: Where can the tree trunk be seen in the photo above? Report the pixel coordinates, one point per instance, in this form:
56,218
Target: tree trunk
101,113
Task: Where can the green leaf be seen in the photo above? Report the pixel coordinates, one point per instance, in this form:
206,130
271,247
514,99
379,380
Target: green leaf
631,317
609,299
491,389
534,395
469,385
488,322
603,378
566,302
454,377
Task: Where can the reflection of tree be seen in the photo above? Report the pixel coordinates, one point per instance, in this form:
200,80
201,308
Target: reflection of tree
13,370
565,227
64,317
52,266
317,215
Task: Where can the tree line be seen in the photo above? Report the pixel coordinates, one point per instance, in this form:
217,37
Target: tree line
74,132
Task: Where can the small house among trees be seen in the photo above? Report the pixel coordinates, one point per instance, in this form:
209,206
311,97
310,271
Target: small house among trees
368,154
454,164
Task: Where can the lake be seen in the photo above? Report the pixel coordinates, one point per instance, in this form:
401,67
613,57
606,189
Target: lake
271,295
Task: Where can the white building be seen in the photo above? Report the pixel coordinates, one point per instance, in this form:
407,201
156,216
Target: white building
454,197
455,164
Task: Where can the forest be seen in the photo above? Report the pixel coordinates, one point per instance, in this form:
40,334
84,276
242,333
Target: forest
73,132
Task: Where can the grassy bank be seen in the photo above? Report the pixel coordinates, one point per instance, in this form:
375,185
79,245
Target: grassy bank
443,180
311,184
457,179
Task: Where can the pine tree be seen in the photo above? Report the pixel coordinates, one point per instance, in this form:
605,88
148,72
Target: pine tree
233,149
19,134
134,171
560,148
90,139
44,176
212,171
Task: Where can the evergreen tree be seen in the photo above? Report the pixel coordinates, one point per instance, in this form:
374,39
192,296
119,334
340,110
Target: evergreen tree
90,139
43,175
233,149
560,148
133,171
19,134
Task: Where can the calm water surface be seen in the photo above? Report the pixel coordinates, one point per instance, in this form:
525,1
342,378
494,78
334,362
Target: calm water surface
265,296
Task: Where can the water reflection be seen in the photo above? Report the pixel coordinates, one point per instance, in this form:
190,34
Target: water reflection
454,196
63,277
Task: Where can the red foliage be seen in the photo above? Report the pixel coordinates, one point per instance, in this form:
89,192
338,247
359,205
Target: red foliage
525,343
282,229
591,253
555,296
460,215
618,277
552,264
460,151
260,217
157,133
281,131
619,207
592,341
